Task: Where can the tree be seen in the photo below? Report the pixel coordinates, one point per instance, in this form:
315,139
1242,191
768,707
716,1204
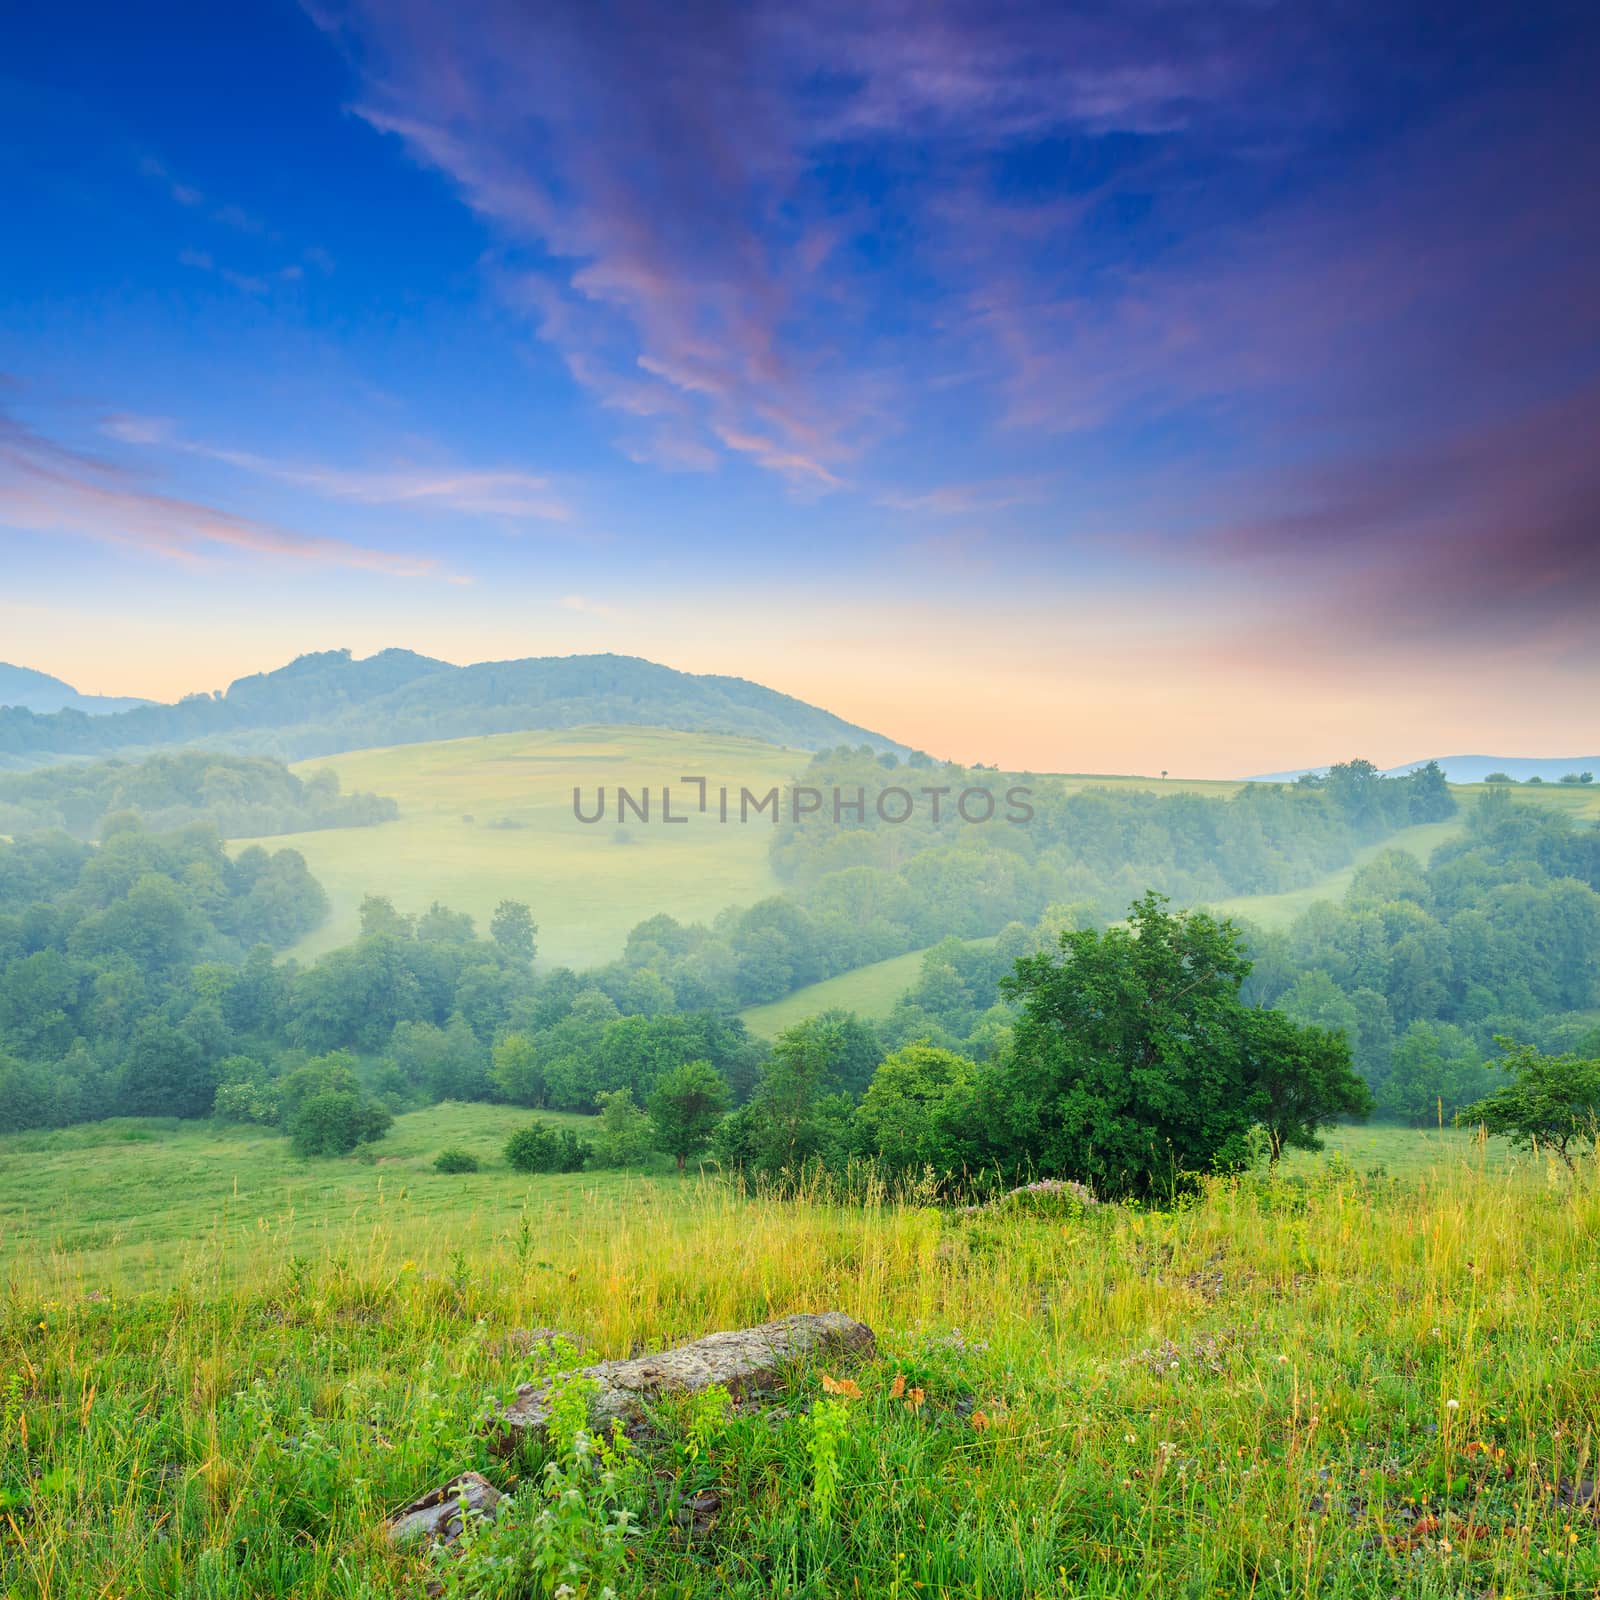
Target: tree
1554,1101
513,929
915,1111
517,1071
623,1137
1130,1070
685,1108
163,1075
1301,1081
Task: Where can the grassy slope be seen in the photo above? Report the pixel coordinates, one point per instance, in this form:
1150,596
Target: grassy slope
870,991
586,890
1256,1394
129,1201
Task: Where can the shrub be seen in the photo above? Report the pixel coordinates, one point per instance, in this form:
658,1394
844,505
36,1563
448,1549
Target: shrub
541,1148
334,1122
454,1160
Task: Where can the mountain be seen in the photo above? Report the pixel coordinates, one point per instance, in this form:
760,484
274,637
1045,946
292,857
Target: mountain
320,704
1472,769
38,691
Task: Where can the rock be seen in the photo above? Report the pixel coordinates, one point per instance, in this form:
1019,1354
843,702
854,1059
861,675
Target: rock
745,1361
698,1512
437,1515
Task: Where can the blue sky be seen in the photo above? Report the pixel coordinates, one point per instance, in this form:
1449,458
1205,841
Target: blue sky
1209,387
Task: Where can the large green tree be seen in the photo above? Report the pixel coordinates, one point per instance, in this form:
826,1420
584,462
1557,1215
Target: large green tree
1132,1067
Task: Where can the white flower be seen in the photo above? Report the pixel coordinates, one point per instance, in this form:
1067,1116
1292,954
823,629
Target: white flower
1454,1405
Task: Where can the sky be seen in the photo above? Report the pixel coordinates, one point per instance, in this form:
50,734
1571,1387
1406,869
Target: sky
1211,386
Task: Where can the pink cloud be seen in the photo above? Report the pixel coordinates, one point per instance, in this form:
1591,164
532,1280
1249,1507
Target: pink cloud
49,488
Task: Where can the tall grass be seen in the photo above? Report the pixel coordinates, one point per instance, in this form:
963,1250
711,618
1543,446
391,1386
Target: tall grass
1333,1383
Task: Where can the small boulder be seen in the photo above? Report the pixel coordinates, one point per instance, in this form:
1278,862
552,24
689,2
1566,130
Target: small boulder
439,1514
744,1361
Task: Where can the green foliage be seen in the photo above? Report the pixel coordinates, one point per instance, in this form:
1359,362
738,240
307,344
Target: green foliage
1130,1068
565,1534
455,1160
246,1092
1553,1102
332,1122
685,1107
623,1136
513,929
239,796
918,1111
542,1148
826,1428
796,1118
325,1110
1300,1081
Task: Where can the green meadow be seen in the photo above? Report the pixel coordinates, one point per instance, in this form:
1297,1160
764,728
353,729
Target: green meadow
1368,1375
491,818
869,991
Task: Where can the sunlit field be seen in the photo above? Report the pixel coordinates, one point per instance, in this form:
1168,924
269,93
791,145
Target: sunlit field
490,818
1371,1374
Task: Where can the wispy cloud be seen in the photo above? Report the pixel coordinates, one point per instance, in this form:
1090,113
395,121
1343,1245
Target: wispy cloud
963,499
469,492
586,607
234,217
50,488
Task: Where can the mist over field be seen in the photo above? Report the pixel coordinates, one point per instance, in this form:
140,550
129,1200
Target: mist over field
739,845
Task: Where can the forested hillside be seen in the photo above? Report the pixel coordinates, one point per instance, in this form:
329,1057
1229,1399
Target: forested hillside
241,797
328,702
1420,968
140,975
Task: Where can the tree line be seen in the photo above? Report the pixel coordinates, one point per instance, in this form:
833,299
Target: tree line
241,797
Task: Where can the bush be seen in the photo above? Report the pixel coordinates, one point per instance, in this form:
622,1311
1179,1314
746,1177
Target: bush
541,1148
334,1122
454,1160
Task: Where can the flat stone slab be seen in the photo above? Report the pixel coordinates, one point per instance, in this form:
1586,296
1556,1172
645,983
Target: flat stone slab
744,1361
437,1515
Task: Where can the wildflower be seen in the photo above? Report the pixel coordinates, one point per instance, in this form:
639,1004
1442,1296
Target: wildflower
408,1266
1453,1405
980,1420
1130,1438
914,1399
898,1387
848,1387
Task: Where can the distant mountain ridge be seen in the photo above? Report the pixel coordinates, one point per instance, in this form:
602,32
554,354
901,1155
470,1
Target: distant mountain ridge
327,702
1470,769
38,691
